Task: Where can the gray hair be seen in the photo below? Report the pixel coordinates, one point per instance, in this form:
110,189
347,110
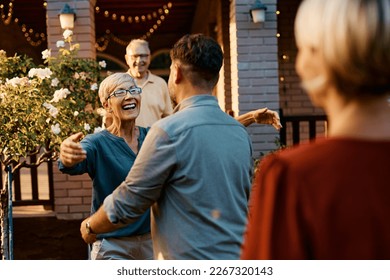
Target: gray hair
353,37
135,42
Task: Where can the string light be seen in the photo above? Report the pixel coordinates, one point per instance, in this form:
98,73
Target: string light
136,19
7,18
159,16
284,58
29,33
35,38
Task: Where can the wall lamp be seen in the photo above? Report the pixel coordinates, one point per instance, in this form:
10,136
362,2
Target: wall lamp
67,17
257,12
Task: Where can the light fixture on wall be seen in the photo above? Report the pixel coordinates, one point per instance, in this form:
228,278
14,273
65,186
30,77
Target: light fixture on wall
257,12
67,17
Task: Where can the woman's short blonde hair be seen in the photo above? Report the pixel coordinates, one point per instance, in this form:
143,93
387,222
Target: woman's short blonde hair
353,37
109,84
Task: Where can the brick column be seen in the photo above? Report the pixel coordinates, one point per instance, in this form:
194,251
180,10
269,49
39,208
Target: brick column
84,27
254,68
72,194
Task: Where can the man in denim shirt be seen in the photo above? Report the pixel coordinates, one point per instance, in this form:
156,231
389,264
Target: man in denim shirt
194,168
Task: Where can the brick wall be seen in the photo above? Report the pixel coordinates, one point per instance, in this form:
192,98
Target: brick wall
254,68
84,31
72,195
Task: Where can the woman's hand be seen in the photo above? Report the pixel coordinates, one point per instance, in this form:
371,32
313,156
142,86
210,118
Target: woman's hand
267,116
71,151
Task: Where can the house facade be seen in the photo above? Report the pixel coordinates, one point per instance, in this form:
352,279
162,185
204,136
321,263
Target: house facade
258,68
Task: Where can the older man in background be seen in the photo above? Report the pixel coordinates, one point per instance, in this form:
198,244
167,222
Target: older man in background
156,103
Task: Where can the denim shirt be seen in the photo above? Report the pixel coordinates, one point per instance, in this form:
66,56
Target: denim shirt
194,169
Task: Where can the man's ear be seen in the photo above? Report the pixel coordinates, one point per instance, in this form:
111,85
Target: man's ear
178,74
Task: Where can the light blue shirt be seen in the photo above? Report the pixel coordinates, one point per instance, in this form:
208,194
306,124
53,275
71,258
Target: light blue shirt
195,169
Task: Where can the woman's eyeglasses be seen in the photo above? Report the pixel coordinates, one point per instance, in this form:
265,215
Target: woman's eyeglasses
134,91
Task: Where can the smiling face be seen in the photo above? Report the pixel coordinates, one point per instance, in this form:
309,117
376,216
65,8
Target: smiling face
138,59
121,106
127,107
310,68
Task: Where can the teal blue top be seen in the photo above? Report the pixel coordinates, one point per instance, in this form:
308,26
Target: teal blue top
108,162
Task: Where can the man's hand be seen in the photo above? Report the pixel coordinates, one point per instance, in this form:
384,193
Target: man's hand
98,223
71,151
266,116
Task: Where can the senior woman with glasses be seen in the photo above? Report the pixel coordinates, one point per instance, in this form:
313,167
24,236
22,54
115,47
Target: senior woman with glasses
107,157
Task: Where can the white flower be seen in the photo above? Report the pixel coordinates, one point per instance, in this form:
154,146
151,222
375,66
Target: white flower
48,120
76,75
46,53
76,113
53,112
47,105
40,73
87,127
60,94
56,129
54,82
60,44
67,33
94,86
16,81
103,64
97,129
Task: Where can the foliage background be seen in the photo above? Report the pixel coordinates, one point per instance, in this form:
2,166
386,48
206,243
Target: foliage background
42,105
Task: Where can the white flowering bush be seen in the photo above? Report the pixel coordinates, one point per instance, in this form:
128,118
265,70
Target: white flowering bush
41,106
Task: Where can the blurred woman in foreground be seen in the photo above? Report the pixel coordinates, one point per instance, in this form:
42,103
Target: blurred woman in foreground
331,199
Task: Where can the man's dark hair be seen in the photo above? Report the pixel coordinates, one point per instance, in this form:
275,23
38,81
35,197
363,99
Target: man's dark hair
201,57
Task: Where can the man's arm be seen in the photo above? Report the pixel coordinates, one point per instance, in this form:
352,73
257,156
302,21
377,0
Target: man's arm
138,192
260,116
